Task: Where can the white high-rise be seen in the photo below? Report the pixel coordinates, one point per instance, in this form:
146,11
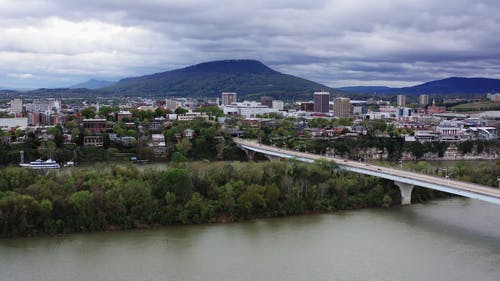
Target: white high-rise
401,100
16,106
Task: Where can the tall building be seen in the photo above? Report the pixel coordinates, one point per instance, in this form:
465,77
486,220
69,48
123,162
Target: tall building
228,98
322,102
171,104
40,105
267,101
423,100
16,106
341,107
401,100
278,104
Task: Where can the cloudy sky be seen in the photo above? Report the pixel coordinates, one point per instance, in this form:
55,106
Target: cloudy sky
335,42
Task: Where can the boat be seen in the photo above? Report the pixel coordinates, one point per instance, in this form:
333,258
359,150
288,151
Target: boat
39,164
69,164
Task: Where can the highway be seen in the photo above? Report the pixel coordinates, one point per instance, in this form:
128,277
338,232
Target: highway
471,190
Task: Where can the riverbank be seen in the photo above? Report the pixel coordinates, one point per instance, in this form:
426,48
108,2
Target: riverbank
124,197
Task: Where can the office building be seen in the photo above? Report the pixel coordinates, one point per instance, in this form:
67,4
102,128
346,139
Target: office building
172,104
228,98
359,109
8,124
401,100
267,101
247,109
278,104
341,107
423,100
16,106
322,102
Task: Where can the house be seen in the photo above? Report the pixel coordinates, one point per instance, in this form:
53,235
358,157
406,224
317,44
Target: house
158,144
189,133
97,141
190,116
124,115
157,123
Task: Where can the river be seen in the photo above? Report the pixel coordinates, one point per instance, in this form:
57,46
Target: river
454,239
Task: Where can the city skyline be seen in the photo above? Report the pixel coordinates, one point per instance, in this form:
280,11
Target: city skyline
337,43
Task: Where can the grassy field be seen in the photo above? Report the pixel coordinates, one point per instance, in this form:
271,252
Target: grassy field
476,106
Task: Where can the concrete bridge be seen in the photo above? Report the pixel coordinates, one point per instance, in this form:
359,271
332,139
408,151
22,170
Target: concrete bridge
405,180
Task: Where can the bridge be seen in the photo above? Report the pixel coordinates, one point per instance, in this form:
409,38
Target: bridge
405,180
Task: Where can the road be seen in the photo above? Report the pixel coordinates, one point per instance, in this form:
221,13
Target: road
465,186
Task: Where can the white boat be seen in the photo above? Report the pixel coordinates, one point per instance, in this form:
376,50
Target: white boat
39,164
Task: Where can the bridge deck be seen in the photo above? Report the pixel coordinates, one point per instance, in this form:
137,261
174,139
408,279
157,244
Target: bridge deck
467,189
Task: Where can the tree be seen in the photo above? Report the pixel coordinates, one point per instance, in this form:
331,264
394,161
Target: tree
184,146
47,149
181,110
88,112
84,209
178,157
160,112
197,208
106,112
211,111
177,181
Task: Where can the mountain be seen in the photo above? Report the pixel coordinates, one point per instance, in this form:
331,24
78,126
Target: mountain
249,78
365,89
92,84
449,86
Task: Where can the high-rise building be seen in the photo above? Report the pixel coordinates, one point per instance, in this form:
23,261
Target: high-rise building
423,100
306,106
228,98
401,100
267,101
359,109
171,104
322,102
341,107
16,106
278,104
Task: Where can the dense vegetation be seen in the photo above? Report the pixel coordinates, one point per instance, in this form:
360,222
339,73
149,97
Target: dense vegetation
476,106
121,197
209,142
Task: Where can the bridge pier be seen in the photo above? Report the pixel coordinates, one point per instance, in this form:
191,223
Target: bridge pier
405,189
250,154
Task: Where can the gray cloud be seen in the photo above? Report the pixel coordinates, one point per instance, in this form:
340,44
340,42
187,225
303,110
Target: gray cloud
389,42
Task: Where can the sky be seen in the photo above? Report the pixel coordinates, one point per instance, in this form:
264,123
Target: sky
334,42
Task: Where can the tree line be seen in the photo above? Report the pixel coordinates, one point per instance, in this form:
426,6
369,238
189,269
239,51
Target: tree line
124,197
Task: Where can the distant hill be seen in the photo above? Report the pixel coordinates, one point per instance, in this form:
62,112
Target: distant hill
249,78
365,89
449,86
92,84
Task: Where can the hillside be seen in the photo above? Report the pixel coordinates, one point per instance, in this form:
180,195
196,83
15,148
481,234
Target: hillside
249,78
449,86
92,84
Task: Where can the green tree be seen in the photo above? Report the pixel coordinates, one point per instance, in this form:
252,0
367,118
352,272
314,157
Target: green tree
177,181
88,112
181,111
47,149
